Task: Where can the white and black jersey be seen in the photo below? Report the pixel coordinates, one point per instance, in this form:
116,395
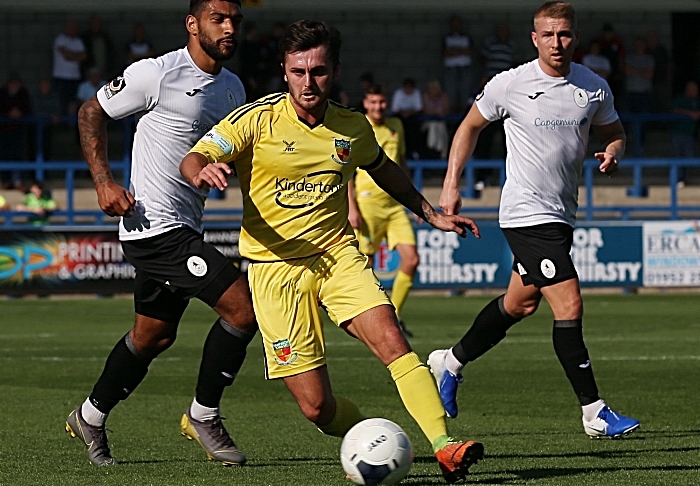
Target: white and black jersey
179,103
547,123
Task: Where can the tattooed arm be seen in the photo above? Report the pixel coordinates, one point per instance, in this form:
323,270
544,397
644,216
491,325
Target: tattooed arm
113,199
392,178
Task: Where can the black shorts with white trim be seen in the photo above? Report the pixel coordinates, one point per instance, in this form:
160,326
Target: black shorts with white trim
174,267
541,253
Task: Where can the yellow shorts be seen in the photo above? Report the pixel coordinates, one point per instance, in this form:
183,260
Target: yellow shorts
379,222
287,296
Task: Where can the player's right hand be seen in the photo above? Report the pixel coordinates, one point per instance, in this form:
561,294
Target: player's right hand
114,200
450,200
213,175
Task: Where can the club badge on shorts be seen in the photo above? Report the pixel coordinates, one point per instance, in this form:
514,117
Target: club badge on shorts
283,352
548,268
197,266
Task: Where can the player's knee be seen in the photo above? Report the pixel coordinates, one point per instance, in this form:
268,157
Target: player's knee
411,262
569,308
242,319
520,310
319,410
151,345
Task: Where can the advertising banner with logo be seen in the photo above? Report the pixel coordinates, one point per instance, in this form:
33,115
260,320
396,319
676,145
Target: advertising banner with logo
47,262
612,254
605,254
60,261
672,254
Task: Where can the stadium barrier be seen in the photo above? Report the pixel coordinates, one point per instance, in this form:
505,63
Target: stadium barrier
79,250
629,254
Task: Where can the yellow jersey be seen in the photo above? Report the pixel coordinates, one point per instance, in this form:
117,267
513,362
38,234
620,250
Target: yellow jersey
390,137
293,176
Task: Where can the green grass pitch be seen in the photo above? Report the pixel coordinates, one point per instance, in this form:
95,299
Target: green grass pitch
516,400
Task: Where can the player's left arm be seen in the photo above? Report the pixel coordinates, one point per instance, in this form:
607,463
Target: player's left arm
197,170
392,179
614,140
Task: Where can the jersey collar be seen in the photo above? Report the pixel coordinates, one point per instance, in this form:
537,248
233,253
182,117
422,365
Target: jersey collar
293,114
188,56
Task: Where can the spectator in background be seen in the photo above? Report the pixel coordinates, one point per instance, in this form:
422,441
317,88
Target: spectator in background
89,87
68,53
457,50
612,47
98,48
498,55
683,133
407,104
253,63
4,205
639,69
14,104
339,95
498,52
47,105
39,202
366,80
138,47
661,82
596,62
435,103
275,76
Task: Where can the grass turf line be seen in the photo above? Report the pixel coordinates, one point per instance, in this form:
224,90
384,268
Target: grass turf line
645,352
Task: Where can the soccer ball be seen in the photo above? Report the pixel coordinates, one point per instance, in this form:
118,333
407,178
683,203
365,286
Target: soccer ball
376,451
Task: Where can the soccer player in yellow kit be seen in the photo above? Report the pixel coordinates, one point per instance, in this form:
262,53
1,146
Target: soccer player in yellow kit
376,215
293,154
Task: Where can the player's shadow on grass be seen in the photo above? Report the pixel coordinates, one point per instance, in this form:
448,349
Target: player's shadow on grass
147,461
295,461
597,454
548,473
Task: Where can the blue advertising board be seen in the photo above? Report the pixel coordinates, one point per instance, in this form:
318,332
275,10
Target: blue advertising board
605,254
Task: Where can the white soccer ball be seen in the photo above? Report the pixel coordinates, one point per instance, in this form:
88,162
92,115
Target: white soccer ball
376,451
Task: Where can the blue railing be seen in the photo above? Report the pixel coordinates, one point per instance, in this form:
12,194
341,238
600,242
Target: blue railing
71,216
589,209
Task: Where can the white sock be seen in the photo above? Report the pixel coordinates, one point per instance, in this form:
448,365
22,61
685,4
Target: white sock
202,413
452,364
591,410
91,415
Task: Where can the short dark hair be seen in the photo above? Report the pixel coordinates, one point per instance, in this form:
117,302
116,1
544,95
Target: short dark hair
375,89
557,10
196,6
307,34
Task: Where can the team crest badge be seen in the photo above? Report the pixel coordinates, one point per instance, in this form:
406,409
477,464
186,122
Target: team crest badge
283,352
342,151
581,97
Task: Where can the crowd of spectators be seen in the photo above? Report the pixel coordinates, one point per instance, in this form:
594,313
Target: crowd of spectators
640,78
81,65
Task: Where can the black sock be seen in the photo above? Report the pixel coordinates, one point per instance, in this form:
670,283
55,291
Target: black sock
124,370
224,352
573,356
489,329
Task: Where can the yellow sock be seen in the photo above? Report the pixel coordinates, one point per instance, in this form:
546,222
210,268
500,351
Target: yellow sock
419,394
346,415
403,283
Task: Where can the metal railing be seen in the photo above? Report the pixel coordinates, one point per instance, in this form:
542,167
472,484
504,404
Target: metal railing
70,216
